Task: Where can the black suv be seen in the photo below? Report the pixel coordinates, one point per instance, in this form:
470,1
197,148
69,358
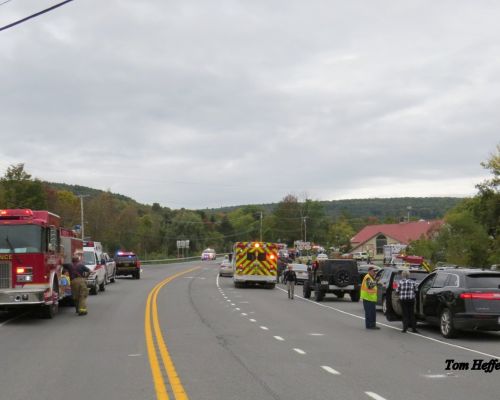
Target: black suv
127,263
460,299
387,281
333,276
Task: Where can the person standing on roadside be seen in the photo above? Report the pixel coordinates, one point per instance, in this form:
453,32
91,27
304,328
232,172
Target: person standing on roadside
406,291
78,272
290,279
369,296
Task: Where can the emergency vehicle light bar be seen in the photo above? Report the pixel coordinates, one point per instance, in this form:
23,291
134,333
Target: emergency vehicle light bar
16,213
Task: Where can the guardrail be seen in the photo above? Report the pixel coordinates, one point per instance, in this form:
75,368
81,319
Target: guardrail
175,260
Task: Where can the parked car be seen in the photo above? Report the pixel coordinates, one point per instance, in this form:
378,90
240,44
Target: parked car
321,256
127,263
226,268
110,267
96,281
360,255
460,299
387,282
208,254
301,270
333,276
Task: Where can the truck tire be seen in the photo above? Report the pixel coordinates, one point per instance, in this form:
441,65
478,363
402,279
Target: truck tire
50,311
340,295
102,286
306,290
137,274
319,295
354,296
342,277
113,278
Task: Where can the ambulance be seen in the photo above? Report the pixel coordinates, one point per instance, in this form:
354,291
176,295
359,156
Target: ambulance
255,262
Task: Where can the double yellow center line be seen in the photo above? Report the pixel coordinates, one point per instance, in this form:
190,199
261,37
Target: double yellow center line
152,326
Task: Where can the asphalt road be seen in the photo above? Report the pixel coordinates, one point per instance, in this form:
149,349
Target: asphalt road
213,341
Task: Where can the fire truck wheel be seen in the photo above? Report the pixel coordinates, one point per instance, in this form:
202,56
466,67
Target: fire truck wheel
102,286
50,311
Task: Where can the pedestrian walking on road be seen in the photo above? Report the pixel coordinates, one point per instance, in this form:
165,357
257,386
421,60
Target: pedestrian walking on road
406,291
78,274
369,296
290,279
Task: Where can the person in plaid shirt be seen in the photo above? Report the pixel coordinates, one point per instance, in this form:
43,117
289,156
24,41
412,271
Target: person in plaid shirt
406,291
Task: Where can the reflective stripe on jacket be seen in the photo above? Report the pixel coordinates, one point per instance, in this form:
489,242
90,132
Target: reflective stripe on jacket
369,289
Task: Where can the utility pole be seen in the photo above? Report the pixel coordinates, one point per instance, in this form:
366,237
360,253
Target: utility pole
305,229
81,196
261,226
409,209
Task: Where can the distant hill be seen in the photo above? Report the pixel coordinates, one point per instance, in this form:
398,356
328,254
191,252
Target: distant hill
421,207
84,190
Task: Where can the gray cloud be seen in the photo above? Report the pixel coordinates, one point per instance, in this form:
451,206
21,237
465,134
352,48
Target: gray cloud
200,104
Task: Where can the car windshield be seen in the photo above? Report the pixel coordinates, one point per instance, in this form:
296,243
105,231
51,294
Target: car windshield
20,239
89,258
483,281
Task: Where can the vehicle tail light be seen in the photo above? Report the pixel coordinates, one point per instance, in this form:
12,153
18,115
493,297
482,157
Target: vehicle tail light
480,296
98,266
271,256
394,285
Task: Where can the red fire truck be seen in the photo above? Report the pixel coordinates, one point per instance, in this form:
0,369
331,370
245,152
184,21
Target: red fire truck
32,249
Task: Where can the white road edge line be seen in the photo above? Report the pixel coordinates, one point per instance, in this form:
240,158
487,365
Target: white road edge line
299,351
330,370
375,396
456,346
279,338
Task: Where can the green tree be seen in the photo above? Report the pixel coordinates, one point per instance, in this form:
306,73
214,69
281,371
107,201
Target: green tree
20,191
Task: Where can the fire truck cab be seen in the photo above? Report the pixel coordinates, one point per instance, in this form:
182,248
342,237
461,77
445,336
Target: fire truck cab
255,262
31,257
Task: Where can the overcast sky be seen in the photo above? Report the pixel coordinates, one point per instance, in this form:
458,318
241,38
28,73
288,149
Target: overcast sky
198,103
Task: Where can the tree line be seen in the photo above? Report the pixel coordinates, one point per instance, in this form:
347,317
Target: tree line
469,236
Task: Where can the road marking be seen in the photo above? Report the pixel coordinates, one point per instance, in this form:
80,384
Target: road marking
456,346
233,304
237,309
279,338
330,370
252,320
316,334
375,396
229,301
244,302
244,314
264,328
299,351
135,355
151,318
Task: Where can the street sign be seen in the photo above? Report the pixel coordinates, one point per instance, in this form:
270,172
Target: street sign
183,244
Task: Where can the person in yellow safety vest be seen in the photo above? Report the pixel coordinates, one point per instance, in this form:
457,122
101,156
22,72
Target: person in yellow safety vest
369,296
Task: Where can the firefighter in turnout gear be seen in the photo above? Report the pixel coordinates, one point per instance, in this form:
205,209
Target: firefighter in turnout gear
369,296
78,274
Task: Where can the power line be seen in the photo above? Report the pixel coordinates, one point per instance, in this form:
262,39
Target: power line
34,15
6,1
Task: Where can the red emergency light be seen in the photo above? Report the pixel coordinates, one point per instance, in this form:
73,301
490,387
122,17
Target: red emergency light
16,213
